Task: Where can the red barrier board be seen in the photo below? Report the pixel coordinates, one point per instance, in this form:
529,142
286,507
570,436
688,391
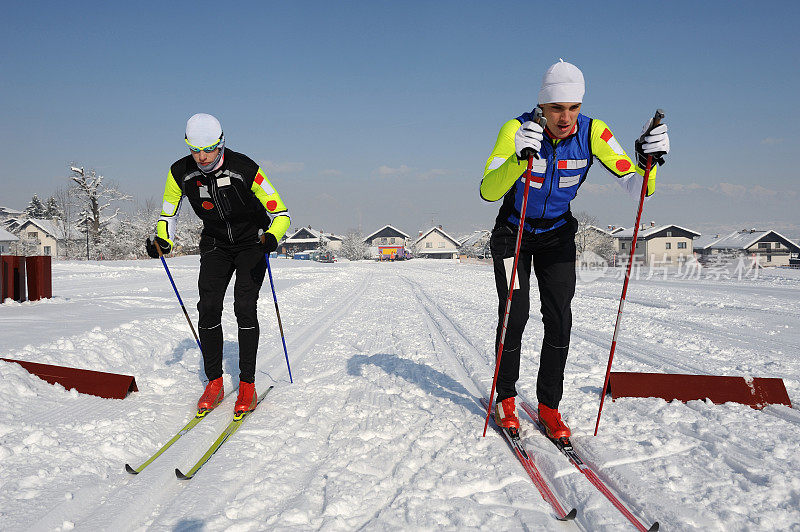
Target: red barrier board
107,385
40,278
757,392
12,278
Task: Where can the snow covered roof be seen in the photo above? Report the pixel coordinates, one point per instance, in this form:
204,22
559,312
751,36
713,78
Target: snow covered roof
647,232
45,225
5,236
740,240
440,231
598,229
705,241
473,237
389,230
9,212
306,235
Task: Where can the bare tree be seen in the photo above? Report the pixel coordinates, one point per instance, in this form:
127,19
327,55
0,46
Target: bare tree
96,197
65,222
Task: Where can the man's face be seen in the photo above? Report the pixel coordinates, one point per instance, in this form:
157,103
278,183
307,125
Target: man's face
561,117
203,158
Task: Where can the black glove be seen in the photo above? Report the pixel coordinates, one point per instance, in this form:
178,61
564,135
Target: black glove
150,246
270,243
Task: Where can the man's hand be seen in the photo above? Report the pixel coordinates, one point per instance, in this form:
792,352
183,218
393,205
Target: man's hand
151,243
654,142
529,135
268,240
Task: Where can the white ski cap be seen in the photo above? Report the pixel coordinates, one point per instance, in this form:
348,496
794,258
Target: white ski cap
203,130
563,82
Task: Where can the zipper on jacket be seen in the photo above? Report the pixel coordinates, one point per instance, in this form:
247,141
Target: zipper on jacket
552,171
219,207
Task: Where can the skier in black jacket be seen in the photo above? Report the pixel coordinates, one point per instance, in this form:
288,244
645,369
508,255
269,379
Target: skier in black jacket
236,202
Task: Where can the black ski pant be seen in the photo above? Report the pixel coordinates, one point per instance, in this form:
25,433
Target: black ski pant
218,261
552,255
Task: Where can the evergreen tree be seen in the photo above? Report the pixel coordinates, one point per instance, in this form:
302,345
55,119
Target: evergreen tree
35,208
51,209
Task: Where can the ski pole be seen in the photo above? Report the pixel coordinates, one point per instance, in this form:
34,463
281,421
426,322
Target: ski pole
656,121
164,262
277,312
530,154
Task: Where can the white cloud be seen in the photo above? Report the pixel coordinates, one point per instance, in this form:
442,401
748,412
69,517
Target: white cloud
597,188
388,171
771,140
331,172
730,190
434,173
282,167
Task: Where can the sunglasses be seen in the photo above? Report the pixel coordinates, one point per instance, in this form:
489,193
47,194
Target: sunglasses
207,149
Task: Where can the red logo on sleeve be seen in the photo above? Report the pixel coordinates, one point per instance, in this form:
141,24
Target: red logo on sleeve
207,205
623,165
272,205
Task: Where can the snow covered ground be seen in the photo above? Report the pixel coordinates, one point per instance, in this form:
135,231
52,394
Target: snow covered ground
381,429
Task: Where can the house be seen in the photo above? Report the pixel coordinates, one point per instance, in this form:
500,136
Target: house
595,241
387,242
475,244
305,239
43,235
7,214
7,240
436,244
664,245
769,247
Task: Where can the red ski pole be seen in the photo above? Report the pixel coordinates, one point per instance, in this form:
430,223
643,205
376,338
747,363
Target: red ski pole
539,119
656,121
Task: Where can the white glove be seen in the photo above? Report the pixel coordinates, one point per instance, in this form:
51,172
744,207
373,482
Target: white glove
655,143
529,135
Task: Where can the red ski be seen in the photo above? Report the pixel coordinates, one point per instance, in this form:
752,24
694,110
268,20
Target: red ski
533,472
565,446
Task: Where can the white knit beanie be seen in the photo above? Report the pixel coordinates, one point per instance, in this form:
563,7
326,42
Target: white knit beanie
563,82
203,130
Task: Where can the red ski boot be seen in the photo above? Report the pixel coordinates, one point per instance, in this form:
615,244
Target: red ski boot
212,396
551,419
248,399
505,414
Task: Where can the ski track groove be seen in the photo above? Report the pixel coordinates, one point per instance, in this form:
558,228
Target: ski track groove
305,340
439,339
89,511
432,311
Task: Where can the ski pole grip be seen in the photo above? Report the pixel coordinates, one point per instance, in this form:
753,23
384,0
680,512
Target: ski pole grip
527,153
657,118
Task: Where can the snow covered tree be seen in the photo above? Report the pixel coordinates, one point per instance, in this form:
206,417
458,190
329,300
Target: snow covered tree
353,246
590,238
52,210
96,197
35,208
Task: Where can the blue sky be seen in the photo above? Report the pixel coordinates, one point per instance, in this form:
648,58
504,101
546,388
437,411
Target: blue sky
366,113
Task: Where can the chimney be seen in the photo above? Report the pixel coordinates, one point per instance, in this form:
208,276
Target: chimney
440,226
420,234
652,224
